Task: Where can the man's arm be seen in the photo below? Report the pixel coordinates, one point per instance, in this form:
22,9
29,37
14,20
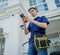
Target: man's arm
40,24
24,23
25,29
43,25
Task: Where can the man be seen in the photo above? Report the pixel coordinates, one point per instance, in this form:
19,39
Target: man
37,25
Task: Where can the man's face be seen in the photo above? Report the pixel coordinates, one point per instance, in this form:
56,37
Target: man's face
33,12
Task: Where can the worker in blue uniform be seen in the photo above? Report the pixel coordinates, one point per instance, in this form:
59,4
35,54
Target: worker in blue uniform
36,25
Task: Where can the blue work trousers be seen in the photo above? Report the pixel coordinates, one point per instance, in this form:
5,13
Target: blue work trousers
32,50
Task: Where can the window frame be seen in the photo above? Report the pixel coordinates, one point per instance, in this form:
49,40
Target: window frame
43,7
2,45
3,5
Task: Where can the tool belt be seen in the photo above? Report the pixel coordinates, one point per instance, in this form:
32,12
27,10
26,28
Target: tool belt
41,42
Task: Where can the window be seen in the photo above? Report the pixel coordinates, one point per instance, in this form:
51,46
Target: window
57,2
2,42
3,0
32,2
1,30
41,5
3,4
0,0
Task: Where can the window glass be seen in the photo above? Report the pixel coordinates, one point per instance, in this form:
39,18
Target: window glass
3,4
39,1
32,2
40,8
43,0
41,5
2,42
45,5
57,2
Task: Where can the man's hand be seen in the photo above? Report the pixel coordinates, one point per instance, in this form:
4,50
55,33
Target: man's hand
26,19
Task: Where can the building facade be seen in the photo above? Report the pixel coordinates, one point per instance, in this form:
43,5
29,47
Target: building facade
12,38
